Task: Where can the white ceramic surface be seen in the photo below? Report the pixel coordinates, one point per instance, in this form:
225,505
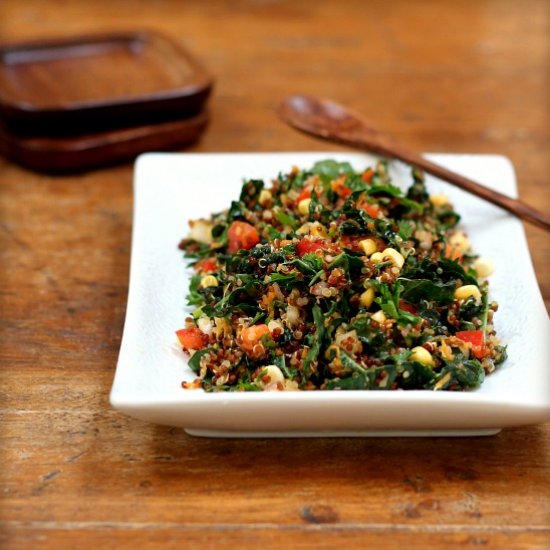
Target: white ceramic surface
170,189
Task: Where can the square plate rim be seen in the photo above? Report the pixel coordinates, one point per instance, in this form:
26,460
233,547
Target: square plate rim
537,411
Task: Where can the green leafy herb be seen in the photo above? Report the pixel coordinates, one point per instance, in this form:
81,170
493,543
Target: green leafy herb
286,219
329,170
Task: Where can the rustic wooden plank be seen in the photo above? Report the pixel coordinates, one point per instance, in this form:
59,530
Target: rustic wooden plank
409,481
317,536
441,76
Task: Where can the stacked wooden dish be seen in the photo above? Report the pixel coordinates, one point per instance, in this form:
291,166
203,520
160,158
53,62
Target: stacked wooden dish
78,103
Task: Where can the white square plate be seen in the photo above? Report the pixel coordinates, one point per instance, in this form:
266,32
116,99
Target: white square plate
170,189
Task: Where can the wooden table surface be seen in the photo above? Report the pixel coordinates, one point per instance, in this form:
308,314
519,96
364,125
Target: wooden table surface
447,76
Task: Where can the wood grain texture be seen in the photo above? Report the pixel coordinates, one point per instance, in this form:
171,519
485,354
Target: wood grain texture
441,76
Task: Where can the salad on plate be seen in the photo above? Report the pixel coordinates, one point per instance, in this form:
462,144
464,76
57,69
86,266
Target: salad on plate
328,278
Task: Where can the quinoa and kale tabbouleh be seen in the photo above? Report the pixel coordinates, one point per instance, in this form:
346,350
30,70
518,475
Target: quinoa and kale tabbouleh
333,279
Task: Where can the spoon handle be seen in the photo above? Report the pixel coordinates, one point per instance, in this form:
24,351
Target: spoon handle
515,206
369,139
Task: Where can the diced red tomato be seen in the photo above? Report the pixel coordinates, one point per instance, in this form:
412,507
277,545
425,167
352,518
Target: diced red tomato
192,338
474,337
208,265
304,194
373,210
367,175
481,351
251,336
409,308
241,236
306,246
351,241
340,188
453,253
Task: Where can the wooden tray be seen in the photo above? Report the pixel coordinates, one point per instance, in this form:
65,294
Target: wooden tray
98,82
76,153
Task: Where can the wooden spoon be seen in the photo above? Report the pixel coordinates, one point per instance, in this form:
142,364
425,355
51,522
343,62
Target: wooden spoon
334,122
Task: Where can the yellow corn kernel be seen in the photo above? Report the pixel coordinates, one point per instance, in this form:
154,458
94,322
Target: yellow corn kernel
395,257
484,267
377,257
367,297
464,292
304,229
291,385
379,316
208,280
439,200
446,351
422,355
265,197
318,230
369,246
460,241
303,206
